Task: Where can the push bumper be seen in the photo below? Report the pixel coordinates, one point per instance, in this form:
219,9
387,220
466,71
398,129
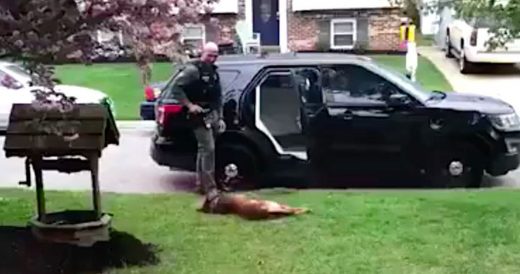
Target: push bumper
503,163
504,57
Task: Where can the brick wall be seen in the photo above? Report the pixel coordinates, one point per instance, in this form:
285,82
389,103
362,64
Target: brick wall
302,31
383,30
377,29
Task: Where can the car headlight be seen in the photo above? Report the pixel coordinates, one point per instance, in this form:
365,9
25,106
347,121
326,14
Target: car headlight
108,102
506,122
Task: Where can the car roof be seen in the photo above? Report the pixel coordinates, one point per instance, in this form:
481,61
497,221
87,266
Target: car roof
289,59
250,64
5,63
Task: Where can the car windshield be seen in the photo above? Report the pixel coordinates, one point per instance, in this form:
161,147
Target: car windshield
400,79
19,70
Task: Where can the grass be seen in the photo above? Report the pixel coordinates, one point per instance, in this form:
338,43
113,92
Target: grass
122,82
425,40
427,73
347,232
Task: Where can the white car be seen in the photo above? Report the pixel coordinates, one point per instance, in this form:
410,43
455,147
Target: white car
466,39
16,87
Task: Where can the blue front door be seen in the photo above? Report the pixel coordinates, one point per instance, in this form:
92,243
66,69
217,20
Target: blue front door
266,22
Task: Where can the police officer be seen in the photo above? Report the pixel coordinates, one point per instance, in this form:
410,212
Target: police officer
198,88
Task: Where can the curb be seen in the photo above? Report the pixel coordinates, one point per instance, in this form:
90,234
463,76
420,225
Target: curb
136,125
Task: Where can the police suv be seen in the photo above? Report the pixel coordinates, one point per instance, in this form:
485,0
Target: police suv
329,119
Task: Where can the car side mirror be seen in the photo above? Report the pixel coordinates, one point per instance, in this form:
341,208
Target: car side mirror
398,99
17,85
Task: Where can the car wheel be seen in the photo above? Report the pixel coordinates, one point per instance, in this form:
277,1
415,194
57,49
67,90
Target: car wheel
236,167
458,166
465,66
448,53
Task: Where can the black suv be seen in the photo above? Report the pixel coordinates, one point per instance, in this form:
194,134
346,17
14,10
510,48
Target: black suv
337,118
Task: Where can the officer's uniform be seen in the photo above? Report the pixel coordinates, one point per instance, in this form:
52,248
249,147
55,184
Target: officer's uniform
199,83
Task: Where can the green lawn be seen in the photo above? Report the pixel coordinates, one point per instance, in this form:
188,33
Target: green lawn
347,232
425,40
122,82
427,73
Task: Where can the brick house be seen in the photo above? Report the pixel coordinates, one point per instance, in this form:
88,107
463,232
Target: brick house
306,24
303,25
342,25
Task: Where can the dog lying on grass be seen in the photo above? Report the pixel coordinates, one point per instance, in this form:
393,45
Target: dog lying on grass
247,208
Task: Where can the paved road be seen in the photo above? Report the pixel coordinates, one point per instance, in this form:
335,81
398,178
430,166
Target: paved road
126,168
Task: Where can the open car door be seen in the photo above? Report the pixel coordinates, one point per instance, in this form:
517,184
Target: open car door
314,120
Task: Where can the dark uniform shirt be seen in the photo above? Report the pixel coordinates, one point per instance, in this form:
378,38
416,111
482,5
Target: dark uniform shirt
199,82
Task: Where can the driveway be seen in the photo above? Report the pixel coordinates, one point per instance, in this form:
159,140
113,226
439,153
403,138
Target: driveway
501,82
126,168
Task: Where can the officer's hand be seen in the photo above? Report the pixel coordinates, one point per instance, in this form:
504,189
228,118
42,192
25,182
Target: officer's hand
221,126
195,109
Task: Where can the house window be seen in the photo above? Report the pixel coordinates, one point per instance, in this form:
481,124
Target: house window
342,33
106,36
194,35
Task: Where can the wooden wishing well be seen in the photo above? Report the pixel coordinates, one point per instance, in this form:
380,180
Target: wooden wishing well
66,142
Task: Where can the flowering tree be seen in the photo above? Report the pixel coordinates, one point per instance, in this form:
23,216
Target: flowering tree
40,32
505,15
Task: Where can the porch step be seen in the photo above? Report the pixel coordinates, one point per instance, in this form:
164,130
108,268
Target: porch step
271,49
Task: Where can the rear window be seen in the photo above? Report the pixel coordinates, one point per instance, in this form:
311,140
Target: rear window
227,77
487,22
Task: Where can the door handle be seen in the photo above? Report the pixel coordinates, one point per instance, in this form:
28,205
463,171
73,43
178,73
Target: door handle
348,116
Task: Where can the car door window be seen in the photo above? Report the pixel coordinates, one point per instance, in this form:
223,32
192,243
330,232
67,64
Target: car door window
308,81
352,84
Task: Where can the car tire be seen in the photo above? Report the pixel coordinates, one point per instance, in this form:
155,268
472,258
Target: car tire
448,53
456,166
465,66
238,158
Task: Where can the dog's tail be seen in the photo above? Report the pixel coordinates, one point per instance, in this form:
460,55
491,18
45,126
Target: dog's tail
300,210
289,211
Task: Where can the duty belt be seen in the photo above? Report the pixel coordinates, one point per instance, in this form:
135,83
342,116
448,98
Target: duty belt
203,117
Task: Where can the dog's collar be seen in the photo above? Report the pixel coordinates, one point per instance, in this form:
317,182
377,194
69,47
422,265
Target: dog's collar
212,200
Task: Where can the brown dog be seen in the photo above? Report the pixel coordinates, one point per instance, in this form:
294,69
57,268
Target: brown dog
247,208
